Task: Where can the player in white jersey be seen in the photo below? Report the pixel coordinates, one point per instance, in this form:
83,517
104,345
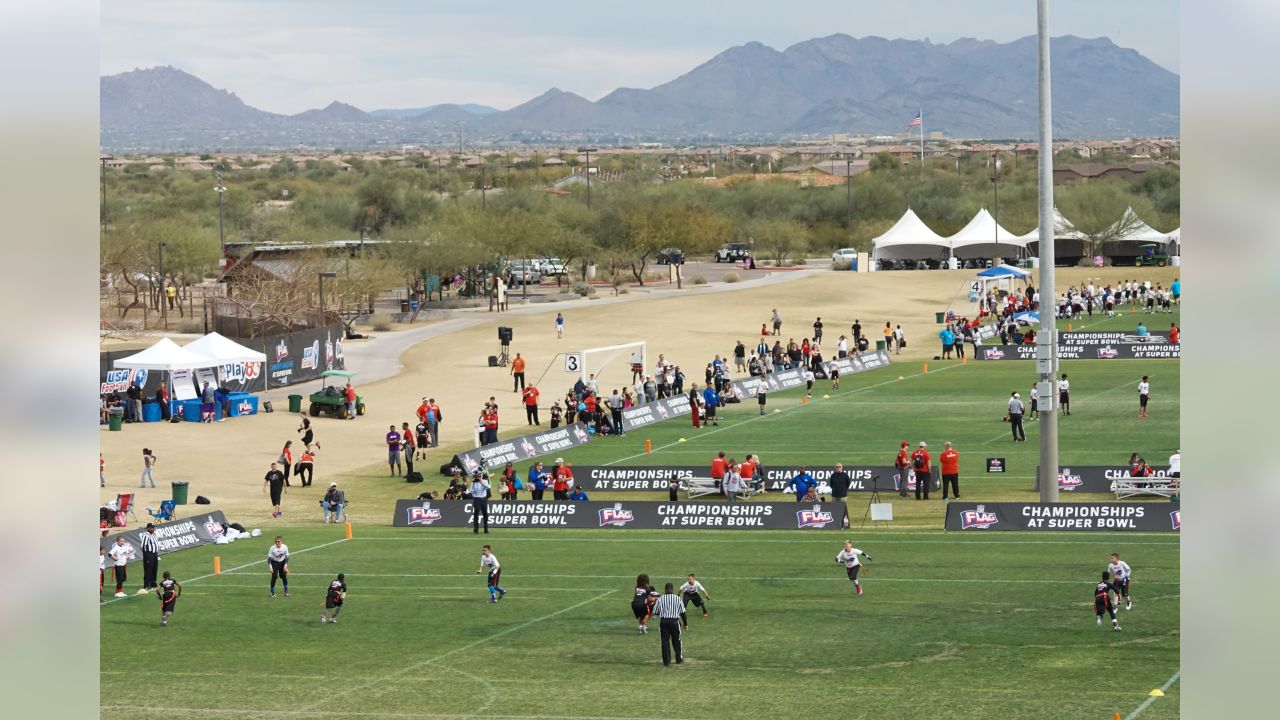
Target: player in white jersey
848,556
1144,394
1035,402
1064,394
692,592
1120,574
489,561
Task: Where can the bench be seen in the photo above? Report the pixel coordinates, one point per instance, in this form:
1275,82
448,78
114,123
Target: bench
695,487
1160,487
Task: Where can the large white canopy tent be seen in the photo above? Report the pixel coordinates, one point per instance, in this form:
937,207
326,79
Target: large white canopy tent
1130,233
1068,241
984,238
164,355
909,239
223,350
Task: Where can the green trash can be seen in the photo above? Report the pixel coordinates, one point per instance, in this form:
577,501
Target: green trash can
940,317
115,419
180,488
295,403
880,345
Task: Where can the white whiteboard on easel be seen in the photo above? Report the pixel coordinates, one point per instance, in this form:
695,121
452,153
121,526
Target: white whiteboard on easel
881,512
573,362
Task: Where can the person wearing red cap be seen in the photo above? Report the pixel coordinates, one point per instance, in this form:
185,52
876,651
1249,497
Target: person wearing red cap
903,464
920,463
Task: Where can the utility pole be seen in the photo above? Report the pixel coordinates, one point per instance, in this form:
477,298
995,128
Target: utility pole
222,194
164,304
1047,341
995,183
104,190
848,184
482,183
588,152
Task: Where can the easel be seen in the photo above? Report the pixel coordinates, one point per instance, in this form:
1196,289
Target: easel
875,499
504,355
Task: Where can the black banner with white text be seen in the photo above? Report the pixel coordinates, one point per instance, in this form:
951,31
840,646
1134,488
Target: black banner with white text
634,514
1104,517
1095,478
174,535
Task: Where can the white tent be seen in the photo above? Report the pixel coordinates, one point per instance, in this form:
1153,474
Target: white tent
1068,241
984,238
165,355
224,350
909,239
1135,233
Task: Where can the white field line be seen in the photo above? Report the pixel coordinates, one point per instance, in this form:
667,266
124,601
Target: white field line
258,712
882,537
1089,396
1147,703
240,567
842,396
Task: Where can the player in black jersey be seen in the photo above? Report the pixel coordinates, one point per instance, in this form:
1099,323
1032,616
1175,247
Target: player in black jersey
1102,600
333,599
639,602
168,591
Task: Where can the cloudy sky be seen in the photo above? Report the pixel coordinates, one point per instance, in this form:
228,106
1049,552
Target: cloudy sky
286,56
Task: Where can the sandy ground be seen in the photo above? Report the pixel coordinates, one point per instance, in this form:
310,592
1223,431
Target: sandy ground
448,360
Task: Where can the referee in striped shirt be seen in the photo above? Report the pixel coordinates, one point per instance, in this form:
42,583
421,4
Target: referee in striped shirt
150,558
670,611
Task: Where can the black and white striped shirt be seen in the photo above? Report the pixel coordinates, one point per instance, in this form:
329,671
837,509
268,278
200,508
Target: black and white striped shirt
669,607
149,543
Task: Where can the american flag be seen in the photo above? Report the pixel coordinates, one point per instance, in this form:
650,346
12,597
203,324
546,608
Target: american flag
915,122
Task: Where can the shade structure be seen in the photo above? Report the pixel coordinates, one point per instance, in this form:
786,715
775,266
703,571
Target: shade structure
1068,242
1004,271
984,238
224,350
1129,233
165,355
909,239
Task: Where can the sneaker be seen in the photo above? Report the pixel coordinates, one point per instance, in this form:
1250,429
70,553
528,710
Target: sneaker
164,623
859,590
333,621
121,595
1099,621
286,593
1128,605
142,591
1116,627
502,594
323,619
273,593
705,613
493,599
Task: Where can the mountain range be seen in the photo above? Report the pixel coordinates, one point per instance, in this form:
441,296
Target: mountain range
836,84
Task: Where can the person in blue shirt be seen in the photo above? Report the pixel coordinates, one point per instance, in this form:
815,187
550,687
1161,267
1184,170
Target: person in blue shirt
710,399
801,483
948,340
537,480
1142,331
1176,289
578,494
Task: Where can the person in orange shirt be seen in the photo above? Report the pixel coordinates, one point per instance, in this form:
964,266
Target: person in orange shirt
517,373
286,459
718,467
306,466
1175,335
950,460
421,412
748,470
902,464
531,395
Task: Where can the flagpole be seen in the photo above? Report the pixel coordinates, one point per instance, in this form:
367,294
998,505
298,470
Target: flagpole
921,141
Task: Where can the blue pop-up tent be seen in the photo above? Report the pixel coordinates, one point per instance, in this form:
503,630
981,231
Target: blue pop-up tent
1004,271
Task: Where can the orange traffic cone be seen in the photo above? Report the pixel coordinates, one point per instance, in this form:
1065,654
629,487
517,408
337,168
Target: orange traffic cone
926,369
1117,716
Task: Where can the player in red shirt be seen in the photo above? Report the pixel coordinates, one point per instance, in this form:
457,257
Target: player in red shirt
920,464
531,395
902,464
1102,600
950,460
718,467
748,470
1175,335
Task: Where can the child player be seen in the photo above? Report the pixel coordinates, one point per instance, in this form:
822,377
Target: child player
690,592
849,557
1120,574
168,591
489,561
1144,394
1102,600
333,598
640,603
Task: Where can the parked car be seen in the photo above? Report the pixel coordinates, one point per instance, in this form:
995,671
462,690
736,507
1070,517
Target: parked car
551,266
732,252
520,273
844,258
670,256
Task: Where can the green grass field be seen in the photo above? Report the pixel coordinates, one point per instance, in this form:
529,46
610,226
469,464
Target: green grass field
951,625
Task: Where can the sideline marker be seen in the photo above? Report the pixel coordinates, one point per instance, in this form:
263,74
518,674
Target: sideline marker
926,369
217,564
804,400
1156,693
348,531
1117,716
1068,327
964,360
648,446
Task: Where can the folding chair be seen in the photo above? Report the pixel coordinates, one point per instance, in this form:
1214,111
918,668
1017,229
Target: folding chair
124,505
165,512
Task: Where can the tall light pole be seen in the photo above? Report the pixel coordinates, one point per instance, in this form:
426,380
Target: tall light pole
105,158
482,183
164,305
995,183
848,183
1047,340
588,152
222,195
322,276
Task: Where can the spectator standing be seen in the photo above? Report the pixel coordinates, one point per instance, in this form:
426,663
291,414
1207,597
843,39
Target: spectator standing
840,482
902,463
695,405
673,488
817,330
920,464
434,418
899,338
349,393
408,447
1175,464
1015,418
888,336
133,408
393,450
732,482
148,464
170,294
306,466
777,322
557,414
207,403
559,326
531,395
801,483
762,391
1035,402
120,554
537,481
517,373
616,404
479,502
559,481
1144,394
857,332
948,337
274,482
740,355
333,503
949,462
719,466
286,459
710,399
489,420
1064,394
150,558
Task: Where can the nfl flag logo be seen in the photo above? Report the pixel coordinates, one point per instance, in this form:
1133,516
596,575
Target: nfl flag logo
978,518
815,518
424,515
1175,518
615,516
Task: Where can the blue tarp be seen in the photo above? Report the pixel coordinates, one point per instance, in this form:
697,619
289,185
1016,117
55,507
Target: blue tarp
1002,271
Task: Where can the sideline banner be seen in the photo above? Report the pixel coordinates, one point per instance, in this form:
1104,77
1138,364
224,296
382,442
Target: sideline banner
1091,346
634,514
522,447
608,478
174,535
1095,478
1106,517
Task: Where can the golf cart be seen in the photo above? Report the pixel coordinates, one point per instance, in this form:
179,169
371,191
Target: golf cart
1152,254
330,399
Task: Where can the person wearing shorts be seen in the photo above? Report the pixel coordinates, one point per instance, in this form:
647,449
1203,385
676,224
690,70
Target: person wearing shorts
333,597
274,481
692,592
1144,394
278,562
168,591
640,603
1064,394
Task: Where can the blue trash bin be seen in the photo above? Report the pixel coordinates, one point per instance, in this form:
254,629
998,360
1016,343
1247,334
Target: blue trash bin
151,412
191,410
413,306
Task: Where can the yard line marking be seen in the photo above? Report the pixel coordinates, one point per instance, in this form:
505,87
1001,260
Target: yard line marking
789,578
1147,703
132,710
845,394
382,681
238,567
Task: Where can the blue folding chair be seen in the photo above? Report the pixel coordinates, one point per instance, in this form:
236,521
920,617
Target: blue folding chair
165,512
